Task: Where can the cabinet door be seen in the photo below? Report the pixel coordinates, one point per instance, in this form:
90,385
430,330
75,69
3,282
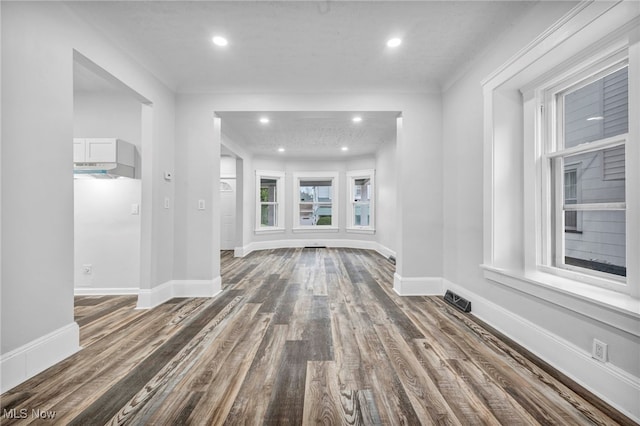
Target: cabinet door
101,150
78,150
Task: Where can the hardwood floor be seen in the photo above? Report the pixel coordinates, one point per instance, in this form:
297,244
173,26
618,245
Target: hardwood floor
299,337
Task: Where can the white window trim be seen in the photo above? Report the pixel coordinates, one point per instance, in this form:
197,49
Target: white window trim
297,177
588,27
351,177
280,202
547,142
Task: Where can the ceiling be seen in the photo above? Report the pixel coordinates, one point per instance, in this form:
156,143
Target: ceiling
318,135
302,46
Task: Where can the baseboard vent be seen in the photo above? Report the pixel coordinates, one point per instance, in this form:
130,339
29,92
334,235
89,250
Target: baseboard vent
392,259
463,304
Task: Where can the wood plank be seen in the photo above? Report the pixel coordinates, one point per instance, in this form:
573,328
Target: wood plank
287,399
109,403
253,399
300,336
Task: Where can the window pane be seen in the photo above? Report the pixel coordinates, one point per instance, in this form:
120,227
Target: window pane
323,214
594,177
362,189
598,110
600,245
268,190
268,215
315,214
318,191
361,214
306,214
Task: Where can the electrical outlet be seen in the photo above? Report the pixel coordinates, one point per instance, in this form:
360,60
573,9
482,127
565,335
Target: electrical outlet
599,350
87,269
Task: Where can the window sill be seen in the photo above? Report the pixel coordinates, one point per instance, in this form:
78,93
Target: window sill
270,230
369,231
608,306
321,228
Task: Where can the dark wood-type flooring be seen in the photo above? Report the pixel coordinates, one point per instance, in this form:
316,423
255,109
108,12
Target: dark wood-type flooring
298,337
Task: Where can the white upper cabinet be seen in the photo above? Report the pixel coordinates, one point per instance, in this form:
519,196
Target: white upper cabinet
103,150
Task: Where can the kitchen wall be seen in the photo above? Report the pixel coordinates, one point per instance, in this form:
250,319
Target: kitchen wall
106,232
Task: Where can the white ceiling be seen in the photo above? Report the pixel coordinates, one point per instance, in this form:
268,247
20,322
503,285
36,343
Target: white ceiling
302,46
319,135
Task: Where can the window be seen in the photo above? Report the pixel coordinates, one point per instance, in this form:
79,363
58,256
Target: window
360,206
588,126
270,201
536,136
571,197
316,195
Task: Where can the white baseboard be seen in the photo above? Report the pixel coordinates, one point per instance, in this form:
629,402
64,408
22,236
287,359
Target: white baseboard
90,291
197,288
417,286
150,298
314,242
611,384
28,360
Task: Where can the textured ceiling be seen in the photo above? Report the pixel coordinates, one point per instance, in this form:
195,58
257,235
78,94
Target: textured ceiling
319,135
301,46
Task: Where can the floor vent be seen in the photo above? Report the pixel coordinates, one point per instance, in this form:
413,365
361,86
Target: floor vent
463,304
392,259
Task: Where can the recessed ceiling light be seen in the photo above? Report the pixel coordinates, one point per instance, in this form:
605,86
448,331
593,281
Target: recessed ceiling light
357,119
345,148
280,149
394,42
264,120
220,41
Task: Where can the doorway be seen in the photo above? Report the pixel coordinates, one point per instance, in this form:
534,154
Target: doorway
107,203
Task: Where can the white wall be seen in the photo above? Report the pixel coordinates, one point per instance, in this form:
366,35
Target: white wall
289,167
539,325
107,236
386,195
106,233
38,42
419,232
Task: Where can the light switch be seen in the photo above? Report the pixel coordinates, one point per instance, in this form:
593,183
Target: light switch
166,202
200,204
135,208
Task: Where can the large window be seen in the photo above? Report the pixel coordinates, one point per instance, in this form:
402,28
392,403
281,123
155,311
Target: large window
360,206
316,200
588,125
270,201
